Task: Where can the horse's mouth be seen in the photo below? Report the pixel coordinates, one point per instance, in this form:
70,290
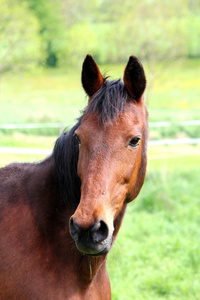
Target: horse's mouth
91,249
95,240
104,252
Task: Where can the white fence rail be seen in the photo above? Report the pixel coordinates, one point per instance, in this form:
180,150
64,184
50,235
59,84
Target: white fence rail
9,150
60,125
31,125
174,142
168,124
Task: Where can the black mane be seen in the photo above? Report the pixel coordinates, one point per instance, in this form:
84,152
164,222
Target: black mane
107,103
65,155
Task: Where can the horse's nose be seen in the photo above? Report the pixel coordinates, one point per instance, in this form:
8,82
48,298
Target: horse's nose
74,229
97,232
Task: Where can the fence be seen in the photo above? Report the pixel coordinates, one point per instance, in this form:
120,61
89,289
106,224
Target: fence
33,126
60,128
182,123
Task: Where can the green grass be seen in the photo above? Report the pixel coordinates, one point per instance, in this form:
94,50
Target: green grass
19,140
156,255
43,97
55,96
177,86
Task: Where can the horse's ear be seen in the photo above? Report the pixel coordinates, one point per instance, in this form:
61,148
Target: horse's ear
134,78
92,79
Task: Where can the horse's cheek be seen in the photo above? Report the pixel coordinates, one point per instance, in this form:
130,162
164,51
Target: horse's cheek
137,178
82,163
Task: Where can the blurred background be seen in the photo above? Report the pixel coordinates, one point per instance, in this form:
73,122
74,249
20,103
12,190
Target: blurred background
42,47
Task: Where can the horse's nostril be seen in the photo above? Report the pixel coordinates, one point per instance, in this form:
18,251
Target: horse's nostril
100,231
96,233
71,221
74,229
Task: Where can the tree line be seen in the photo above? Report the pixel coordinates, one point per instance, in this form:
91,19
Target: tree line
56,33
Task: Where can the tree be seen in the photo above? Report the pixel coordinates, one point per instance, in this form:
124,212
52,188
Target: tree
52,29
20,46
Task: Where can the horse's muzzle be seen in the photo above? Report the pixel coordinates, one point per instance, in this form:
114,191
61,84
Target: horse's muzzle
94,240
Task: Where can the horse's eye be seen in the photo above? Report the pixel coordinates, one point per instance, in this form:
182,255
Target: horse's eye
78,139
134,142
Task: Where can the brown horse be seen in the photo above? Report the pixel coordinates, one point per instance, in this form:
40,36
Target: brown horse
59,218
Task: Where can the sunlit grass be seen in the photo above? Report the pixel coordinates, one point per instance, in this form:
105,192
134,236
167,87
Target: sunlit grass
184,157
19,140
43,97
57,96
8,158
156,255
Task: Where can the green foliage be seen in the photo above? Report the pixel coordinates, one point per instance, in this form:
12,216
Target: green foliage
60,33
20,46
52,30
191,27
77,37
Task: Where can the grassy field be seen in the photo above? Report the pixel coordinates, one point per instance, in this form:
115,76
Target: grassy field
156,254
55,96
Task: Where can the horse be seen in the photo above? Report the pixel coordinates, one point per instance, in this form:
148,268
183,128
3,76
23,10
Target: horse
60,217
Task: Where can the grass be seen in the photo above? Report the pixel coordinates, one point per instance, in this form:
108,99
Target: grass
156,255
44,97
55,96
20,140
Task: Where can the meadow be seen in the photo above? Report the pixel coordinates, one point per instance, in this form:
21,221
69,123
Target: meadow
156,254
